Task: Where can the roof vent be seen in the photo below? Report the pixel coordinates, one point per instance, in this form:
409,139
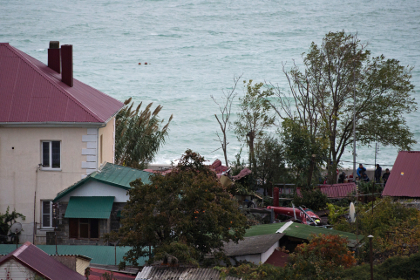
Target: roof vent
54,59
67,64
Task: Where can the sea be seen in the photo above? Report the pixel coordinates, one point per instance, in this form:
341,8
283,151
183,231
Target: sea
195,50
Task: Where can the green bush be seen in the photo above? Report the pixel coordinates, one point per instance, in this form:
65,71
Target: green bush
313,199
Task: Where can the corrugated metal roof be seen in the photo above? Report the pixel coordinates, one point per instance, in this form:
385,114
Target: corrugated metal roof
104,255
251,245
94,207
300,231
160,273
30,91
39,261
111,174
336,190
405,176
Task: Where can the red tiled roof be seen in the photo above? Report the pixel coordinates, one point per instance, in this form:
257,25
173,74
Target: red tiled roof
39,261
30,91
336,190
405,176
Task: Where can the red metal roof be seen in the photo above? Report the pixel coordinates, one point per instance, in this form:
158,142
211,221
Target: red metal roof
30,91
405,176
278,258
39,261
336,190
96,274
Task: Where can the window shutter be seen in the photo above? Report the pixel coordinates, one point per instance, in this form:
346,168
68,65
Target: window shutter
73,228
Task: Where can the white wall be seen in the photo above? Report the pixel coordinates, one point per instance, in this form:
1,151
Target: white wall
95,188
13,269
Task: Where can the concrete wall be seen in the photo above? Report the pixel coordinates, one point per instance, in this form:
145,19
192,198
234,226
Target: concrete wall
21,177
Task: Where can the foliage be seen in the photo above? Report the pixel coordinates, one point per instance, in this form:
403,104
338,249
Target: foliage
138,135
336,212
249,271
270,165
311,198
392,268
322,96
395,227
107,276
187,207
6,221
305,153
369,187
254,117
322,258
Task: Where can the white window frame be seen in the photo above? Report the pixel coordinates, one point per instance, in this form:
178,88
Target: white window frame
50,214
50,155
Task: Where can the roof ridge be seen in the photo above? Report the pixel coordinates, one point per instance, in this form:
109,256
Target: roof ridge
22,55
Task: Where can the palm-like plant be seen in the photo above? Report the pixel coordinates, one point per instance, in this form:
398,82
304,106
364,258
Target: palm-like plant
139,135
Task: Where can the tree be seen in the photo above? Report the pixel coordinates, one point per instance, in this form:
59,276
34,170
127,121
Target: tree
323,257
186,214
254,117
304,153
225,110
6,221
269,157
323,96
138,135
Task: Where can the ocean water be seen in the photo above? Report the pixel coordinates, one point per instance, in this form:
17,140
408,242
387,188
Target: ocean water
194,49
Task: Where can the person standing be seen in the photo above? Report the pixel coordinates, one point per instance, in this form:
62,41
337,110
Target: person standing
378,173
360,170
386,176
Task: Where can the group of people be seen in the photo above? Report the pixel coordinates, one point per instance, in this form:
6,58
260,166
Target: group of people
362,175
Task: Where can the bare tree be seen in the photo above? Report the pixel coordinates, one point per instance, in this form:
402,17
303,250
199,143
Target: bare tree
225,108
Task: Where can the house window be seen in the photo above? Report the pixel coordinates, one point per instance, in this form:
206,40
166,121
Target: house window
47,211
84,228
51,154
101,148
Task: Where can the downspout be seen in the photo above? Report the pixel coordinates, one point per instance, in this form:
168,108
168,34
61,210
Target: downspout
36,187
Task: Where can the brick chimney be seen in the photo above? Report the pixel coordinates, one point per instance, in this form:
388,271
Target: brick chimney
67,64
54,57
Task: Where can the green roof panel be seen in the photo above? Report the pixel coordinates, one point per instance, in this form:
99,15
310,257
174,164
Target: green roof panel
94,207
300,231
111,174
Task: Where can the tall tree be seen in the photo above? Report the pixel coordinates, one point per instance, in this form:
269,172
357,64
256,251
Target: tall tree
187,213
304,153
139,135
225,109
269,155
322,96
254,117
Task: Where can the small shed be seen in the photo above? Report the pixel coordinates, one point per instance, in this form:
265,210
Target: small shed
255,249
29,261
184,273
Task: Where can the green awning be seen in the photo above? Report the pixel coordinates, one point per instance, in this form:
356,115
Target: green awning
94,207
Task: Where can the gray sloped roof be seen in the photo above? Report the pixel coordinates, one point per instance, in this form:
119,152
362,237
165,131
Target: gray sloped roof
179,273
251,245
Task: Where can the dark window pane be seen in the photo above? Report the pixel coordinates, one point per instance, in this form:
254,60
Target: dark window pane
46,154
46,220
73,228
94,228
84,230
46,217
46,207
56,154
